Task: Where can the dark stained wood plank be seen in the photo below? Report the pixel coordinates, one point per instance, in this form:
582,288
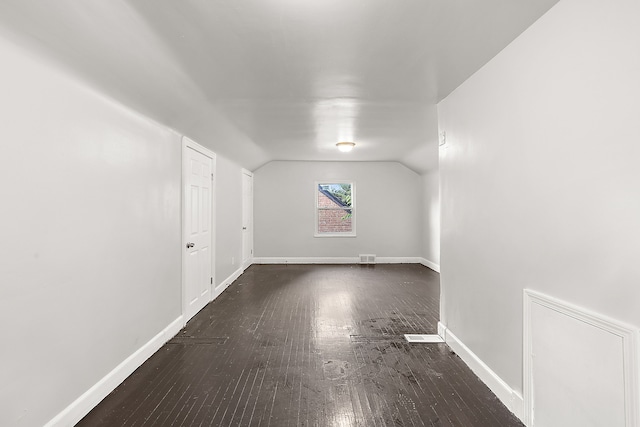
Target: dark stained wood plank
302,345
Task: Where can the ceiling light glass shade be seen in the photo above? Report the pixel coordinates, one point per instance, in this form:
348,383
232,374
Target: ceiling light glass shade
345,146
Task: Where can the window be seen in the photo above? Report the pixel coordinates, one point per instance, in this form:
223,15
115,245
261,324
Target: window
335,209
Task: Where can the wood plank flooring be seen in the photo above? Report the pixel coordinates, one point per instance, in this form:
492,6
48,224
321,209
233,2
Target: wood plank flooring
301,345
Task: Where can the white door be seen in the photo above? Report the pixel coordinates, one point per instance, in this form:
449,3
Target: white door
198,177
247,218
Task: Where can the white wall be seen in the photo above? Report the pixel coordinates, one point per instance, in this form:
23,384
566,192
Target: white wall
388,210
540,179
91,236
90,243
228,219
431,218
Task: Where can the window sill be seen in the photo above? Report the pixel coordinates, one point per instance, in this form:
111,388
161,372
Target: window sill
334,235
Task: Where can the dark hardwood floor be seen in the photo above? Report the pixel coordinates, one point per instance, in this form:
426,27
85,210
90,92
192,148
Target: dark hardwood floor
301,345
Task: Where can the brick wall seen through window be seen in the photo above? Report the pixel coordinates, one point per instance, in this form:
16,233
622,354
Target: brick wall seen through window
335,209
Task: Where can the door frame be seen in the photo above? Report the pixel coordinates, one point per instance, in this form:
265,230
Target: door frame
249,261
190,144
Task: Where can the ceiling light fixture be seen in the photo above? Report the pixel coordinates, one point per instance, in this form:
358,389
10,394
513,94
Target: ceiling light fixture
345,146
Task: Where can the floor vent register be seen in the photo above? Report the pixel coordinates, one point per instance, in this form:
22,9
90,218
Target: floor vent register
426,339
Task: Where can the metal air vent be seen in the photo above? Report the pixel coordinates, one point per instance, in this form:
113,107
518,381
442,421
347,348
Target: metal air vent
367,258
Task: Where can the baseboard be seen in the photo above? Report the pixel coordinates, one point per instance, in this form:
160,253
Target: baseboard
247,264
89,399
398,260
334,260
432,265
442,331
306,260
226,283
509,397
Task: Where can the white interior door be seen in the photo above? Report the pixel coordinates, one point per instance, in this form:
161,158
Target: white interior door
247,218
198,278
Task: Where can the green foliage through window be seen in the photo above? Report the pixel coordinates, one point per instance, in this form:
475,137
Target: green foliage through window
341,192
335,208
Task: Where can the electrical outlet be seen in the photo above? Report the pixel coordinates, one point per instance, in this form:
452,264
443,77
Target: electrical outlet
233,261
443,138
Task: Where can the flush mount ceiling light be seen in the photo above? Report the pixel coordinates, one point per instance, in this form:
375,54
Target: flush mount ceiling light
345,146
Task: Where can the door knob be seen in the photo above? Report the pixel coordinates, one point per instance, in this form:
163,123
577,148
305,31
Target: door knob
190,245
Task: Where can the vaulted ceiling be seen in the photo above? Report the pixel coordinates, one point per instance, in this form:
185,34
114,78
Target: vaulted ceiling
262,80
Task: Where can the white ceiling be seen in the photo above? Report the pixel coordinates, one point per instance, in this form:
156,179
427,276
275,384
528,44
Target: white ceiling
282,79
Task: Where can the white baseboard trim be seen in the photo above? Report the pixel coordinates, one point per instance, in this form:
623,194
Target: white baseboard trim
335,260
306,260
432,265
509,397
442,331
398,260
226,283
247,264
89,399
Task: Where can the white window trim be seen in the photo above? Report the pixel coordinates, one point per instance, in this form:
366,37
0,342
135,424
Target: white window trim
353,209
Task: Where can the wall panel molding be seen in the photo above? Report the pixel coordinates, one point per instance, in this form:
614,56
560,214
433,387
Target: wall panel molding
593,324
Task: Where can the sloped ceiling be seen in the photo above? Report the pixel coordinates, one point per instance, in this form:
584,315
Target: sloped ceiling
262,80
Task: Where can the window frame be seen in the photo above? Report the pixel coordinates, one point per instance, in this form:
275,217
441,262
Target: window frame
351,233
